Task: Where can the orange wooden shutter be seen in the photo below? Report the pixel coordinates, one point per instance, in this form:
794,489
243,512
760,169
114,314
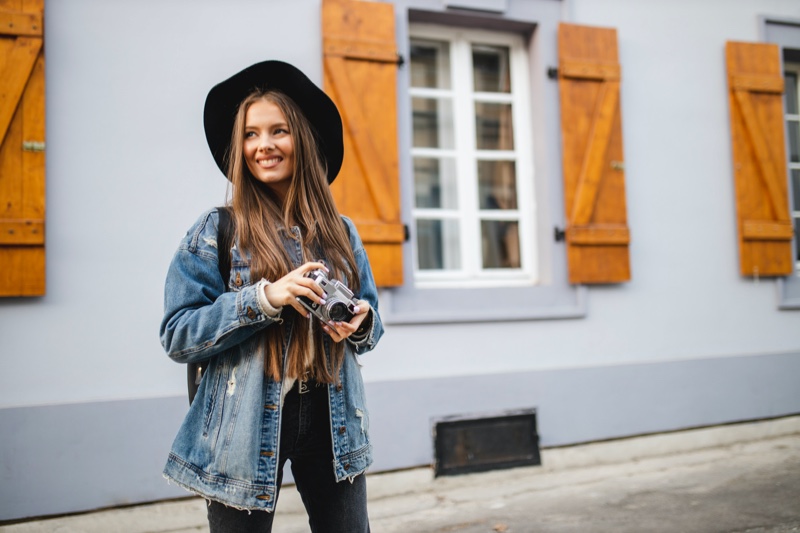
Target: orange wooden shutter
597,232
360,58
22,260
755,86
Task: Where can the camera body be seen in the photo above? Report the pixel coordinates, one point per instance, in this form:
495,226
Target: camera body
339,301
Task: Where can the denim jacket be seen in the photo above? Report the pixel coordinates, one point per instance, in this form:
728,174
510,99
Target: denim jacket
227,447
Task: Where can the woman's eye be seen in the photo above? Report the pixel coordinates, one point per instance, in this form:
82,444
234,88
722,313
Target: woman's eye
249,134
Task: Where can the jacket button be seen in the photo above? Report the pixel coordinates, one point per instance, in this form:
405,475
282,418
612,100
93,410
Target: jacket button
250,313
347,466
271,407
267,453
238,280
264,497
342,430
339,387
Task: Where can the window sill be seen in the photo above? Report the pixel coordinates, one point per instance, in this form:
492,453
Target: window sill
435,306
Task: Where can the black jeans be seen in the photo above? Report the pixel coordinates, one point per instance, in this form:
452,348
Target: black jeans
305,439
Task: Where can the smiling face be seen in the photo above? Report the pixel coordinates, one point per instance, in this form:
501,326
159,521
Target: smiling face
268,147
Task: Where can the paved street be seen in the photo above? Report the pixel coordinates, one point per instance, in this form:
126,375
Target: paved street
741,478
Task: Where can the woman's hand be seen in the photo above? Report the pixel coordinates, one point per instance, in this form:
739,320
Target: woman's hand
286,290
339,331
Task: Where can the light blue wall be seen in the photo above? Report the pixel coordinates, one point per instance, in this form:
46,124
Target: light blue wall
128,171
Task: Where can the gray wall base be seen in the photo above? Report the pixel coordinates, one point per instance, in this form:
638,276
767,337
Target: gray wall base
587,404
70,458
76,457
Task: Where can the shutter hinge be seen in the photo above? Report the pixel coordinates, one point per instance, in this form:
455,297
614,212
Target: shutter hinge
400,60
33,146
406,233
552,73
559,234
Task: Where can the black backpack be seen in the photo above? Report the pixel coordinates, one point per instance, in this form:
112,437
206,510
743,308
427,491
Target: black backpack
195,371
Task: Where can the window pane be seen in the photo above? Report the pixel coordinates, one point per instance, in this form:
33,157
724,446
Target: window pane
435,183
430,64
490,69
797,237
796,189
791,93
794,140
493,127
438,245
433,122
497,184
500,240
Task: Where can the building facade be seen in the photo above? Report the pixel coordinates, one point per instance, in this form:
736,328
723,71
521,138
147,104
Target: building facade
588,208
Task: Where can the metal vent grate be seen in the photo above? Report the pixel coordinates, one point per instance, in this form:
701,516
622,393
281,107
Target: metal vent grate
477,444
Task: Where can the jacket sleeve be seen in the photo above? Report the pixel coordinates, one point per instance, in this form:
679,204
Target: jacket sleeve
200,318
368,292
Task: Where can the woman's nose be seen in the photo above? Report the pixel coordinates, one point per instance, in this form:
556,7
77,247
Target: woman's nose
265,142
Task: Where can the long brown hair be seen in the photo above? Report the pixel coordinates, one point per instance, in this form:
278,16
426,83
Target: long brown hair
259,216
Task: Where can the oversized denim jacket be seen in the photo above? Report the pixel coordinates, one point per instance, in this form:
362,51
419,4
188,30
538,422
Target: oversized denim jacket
227,447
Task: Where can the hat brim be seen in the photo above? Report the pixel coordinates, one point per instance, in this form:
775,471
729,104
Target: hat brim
224,98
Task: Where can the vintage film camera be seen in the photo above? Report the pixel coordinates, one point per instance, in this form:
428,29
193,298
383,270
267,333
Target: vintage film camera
339,301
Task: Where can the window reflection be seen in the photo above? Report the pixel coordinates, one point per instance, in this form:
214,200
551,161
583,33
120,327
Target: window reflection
490,69
438,245
796,189
430,64
794,141
435,183
797,237
500,240
790,93
493,126
432,122
497,185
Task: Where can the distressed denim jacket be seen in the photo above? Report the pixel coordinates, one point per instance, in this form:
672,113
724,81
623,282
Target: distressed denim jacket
227,447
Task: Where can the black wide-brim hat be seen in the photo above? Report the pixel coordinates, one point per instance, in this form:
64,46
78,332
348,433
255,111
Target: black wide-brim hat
224,98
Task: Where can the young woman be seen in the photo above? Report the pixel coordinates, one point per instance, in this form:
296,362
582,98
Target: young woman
280,383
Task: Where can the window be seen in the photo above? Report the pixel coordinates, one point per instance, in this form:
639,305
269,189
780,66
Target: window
471,292
473,203
786,34
792,107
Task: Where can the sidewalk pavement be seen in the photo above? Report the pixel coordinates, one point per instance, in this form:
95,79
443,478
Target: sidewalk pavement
742,478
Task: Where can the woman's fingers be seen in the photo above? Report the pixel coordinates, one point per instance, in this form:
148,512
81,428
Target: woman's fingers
336,330
296,284
339,331
309,283
286,290
305,268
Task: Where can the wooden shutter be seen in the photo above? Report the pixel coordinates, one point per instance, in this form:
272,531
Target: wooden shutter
755,86
360,59
22,271
22,268
597,232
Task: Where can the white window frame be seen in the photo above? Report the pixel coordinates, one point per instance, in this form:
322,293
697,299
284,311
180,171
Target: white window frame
795,213
465,154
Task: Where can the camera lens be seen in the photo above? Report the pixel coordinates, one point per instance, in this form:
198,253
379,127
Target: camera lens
338,312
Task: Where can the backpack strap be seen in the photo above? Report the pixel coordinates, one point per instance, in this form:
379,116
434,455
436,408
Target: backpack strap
224,242
195,371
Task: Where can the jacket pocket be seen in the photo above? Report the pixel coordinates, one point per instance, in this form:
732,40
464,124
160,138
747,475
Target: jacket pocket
215,402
